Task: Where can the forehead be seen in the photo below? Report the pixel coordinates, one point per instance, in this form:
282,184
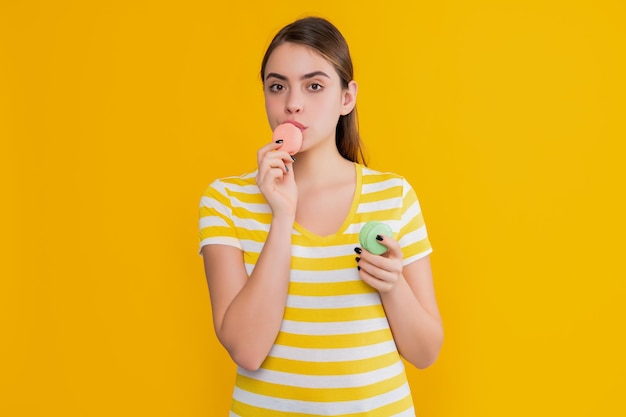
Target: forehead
293,59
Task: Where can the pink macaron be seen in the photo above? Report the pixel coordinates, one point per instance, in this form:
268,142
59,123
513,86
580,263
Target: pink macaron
291,137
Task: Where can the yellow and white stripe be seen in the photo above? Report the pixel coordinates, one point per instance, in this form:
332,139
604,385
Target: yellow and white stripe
335,354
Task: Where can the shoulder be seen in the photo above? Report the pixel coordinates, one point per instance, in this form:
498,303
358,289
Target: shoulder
383,179
245,183
227,192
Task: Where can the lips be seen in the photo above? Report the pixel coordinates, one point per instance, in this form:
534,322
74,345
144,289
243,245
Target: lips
296,124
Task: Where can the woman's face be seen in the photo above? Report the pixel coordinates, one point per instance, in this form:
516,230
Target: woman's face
301,87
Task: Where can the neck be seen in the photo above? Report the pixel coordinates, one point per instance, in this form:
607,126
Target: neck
321,166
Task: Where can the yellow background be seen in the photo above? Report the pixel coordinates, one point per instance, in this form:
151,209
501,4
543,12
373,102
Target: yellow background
506,116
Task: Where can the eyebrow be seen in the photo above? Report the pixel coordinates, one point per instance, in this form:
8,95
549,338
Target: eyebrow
304,77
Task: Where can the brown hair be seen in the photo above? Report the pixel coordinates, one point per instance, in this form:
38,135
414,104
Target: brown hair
323,37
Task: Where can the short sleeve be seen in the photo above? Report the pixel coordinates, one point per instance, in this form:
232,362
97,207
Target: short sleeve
413,237
216,223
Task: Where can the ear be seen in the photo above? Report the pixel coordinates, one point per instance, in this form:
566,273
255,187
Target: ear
348,98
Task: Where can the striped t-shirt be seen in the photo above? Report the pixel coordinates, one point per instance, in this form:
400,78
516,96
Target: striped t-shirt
335,354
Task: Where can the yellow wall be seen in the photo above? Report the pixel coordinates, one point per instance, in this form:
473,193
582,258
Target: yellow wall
507,117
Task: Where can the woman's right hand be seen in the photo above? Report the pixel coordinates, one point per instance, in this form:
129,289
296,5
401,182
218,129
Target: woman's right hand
276,180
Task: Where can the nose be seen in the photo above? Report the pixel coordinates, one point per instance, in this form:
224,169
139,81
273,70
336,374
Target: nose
294,103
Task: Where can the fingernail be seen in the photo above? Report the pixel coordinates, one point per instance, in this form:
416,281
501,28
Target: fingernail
358,268
286,168
279,141
293,158
357,250
357,259
379,238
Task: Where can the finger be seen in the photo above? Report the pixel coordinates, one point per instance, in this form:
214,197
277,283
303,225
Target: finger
380,267
281,164
272,175
272,163
386,272
277,157
387,261
394,249
267,149
378,284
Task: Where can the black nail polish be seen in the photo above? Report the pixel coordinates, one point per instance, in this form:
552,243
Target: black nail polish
279,141
358,268
357,259
357,250
293,158
379,238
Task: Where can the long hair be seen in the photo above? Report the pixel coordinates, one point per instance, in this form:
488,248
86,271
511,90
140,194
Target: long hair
323,37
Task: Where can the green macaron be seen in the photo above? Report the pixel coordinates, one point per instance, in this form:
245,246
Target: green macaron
367,236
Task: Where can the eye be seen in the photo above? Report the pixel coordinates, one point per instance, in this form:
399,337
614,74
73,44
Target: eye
316,87
275,88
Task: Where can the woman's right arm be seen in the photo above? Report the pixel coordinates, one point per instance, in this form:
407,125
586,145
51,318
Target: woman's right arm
248,311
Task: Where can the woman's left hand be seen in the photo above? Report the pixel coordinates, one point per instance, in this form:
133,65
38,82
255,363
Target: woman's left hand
381,272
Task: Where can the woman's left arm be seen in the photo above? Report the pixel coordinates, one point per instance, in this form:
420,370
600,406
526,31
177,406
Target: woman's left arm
408,297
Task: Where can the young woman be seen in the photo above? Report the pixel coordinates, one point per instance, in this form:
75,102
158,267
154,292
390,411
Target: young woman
315,323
